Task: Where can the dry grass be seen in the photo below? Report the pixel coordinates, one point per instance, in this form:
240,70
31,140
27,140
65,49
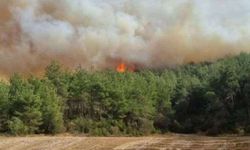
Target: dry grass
166,142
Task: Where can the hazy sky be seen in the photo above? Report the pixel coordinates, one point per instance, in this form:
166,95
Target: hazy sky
229,18
101,33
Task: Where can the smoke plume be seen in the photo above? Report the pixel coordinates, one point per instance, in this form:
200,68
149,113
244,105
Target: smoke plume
99,34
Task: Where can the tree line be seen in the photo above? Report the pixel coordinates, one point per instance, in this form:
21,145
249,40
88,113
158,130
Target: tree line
210,98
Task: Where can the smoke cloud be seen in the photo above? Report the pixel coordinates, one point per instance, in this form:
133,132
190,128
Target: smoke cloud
99,34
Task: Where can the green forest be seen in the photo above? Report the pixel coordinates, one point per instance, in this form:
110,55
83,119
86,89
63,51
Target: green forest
210,98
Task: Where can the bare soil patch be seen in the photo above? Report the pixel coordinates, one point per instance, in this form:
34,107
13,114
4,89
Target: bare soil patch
166,142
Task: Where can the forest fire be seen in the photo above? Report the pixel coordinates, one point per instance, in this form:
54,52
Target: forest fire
121,68
34,33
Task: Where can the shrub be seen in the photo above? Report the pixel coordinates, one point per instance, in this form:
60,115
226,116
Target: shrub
17,127
81,125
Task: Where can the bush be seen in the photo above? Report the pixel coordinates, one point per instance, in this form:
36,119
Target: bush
146,126
247,130
97,128
81,125
17,127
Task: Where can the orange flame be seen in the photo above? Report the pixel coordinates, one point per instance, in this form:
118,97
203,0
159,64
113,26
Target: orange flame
121,68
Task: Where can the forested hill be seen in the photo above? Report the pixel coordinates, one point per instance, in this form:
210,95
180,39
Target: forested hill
208,98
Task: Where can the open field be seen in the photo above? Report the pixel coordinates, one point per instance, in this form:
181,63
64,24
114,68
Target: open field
167,142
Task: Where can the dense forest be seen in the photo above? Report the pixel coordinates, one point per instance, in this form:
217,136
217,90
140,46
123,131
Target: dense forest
210,98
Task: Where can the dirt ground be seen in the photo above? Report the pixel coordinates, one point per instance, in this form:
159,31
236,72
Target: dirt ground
166,142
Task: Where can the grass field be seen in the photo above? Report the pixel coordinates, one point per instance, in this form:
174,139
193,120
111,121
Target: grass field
166,142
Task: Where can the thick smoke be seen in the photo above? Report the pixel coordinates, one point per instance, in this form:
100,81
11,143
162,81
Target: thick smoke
98,34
